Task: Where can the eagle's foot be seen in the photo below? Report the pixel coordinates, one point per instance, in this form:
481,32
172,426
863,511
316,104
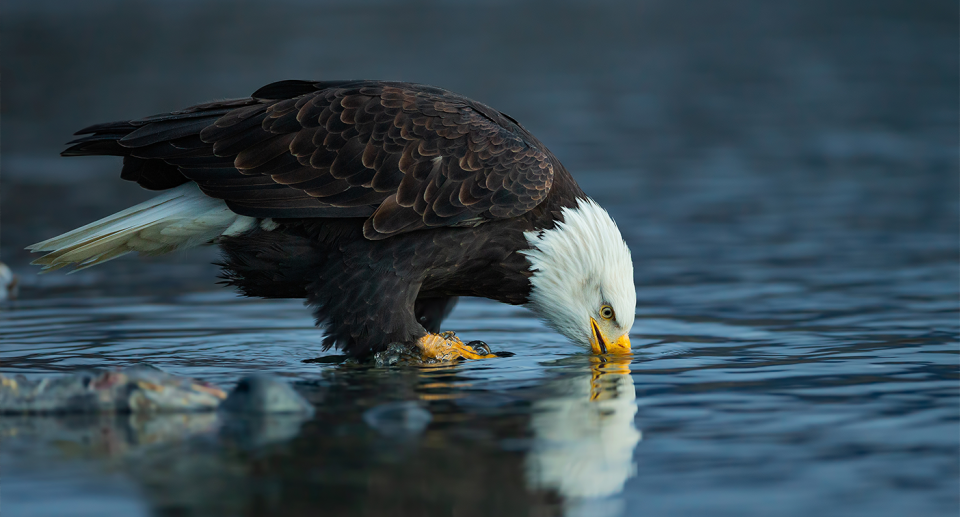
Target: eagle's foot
446,346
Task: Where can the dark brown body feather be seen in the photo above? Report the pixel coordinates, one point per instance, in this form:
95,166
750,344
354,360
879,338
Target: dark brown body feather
392,198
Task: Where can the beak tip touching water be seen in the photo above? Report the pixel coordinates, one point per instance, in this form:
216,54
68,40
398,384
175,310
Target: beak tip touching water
602,344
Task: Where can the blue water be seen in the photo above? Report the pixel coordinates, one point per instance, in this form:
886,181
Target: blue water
786,179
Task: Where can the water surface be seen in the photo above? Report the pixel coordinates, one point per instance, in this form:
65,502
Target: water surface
786,179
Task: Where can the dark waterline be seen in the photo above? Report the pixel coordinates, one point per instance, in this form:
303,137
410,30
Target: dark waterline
786,177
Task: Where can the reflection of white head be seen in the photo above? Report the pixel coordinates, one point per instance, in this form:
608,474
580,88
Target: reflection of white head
584,437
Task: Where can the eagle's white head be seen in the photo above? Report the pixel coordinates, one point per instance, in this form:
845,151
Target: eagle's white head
583,279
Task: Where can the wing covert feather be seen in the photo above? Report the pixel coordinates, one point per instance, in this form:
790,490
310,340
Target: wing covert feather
405,156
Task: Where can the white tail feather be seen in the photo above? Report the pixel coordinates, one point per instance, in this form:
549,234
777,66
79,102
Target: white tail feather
179,218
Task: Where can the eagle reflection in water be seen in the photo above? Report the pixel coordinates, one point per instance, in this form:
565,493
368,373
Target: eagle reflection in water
585,434
580,456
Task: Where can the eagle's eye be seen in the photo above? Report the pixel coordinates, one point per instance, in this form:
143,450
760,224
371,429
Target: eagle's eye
606,312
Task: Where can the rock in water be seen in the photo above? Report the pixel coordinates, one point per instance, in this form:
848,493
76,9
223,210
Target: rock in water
265,394
138,389
404,419
145,389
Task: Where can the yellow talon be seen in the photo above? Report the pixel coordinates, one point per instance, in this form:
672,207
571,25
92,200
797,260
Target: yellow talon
446,347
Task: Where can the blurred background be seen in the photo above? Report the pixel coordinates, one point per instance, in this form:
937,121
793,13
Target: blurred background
785,173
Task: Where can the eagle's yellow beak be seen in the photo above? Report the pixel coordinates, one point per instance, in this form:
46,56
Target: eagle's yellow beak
601,344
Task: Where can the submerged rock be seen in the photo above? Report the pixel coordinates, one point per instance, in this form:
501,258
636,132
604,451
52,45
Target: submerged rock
102,414
262,410
265,394
144,389
138,389
398,419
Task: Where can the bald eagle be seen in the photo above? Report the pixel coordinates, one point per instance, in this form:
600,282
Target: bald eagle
378,202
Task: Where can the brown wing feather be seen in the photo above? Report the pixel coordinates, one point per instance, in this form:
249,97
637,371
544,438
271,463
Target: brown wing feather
405,156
